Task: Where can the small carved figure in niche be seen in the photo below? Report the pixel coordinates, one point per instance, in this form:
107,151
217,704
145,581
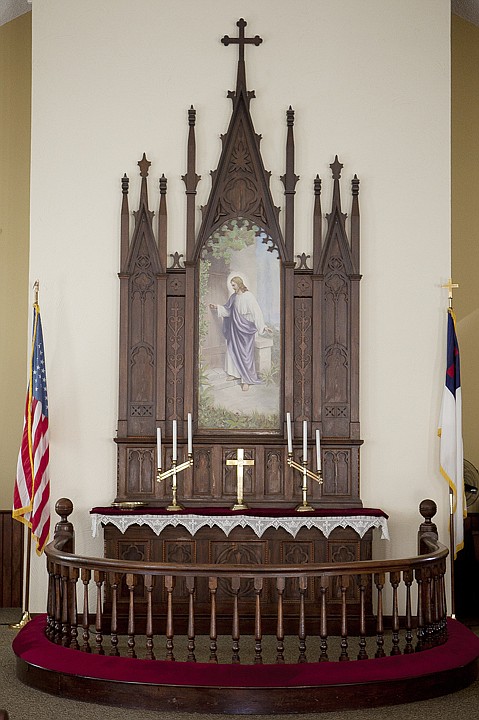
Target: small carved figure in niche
242,321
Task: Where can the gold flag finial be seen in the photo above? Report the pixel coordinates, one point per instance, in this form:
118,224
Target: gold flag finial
36,288
450,287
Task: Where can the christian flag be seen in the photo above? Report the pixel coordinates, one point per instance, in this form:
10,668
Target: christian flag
32,487
450,431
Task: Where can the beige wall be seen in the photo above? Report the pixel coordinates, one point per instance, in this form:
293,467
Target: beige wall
465,220
15,85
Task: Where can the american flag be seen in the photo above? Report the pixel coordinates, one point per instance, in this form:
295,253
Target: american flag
450,431
32,487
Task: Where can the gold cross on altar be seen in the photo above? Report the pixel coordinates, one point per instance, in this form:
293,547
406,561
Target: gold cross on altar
450,286
240,463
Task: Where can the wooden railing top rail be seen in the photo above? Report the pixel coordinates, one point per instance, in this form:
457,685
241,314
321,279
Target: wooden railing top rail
57,552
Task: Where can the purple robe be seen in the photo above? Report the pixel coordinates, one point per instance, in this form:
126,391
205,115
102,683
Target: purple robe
240,335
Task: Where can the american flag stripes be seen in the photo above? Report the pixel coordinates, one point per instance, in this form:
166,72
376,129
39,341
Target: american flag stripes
32,487
450,431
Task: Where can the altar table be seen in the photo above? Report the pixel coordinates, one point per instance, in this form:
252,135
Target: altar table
258,519
271,536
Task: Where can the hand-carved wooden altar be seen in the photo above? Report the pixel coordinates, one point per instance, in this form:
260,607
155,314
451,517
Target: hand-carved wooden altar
221,536
160,329
173,347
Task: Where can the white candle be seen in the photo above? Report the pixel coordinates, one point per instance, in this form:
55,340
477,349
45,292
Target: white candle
190,436
173,457
318,451
158,446
305,441
290,436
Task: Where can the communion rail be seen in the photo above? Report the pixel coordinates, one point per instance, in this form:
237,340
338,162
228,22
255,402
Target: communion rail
404,631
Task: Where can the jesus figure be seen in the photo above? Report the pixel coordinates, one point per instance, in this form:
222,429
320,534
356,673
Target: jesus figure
242,321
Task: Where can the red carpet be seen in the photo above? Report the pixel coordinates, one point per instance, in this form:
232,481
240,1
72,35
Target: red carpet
31,646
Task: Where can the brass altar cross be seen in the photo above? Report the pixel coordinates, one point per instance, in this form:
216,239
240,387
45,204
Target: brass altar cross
240,463
450,286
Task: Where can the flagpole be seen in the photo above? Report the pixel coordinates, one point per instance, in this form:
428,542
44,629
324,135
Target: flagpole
452,552
450,286
26,617
26,595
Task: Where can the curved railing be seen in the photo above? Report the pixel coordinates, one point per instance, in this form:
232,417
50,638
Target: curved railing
84,597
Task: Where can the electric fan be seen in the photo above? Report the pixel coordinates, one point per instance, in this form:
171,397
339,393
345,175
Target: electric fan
471,482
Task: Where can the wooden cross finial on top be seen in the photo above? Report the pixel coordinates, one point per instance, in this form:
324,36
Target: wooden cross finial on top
450,286
241,40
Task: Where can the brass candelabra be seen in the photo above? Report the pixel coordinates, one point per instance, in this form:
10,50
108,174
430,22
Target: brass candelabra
173,472
306,473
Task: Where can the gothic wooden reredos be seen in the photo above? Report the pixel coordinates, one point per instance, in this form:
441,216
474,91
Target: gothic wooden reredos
159,344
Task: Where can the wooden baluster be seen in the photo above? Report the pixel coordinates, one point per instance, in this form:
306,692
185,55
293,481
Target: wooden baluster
258,589
235,632
363,583
420,611
436,605
149,617
57,635
408,578
395,578
115,580
169,586
85,576
131,584
344,619
72,594
428,629
50,628
191,587
213,587
99,578
323,619
379,579
280,585
302,585
443,601
65,640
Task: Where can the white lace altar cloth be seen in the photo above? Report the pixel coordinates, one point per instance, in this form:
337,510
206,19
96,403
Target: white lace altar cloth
192,523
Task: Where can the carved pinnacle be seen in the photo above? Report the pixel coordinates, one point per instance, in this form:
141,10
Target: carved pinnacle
355,185
144,164
336,168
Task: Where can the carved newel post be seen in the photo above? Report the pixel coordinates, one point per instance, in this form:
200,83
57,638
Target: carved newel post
427,509
64,532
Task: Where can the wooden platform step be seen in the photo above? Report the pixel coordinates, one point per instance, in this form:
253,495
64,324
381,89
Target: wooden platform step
245,689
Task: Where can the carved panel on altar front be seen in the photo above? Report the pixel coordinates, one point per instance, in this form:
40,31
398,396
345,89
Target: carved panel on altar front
203,473
297,553
243,547
274,480
179,354
341,552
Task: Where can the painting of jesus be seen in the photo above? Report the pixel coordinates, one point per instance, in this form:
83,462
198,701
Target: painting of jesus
240,330
242,320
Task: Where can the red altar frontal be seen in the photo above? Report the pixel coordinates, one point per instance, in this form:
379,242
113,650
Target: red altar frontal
254,536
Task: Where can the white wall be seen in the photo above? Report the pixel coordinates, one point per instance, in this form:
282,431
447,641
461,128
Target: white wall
368,80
